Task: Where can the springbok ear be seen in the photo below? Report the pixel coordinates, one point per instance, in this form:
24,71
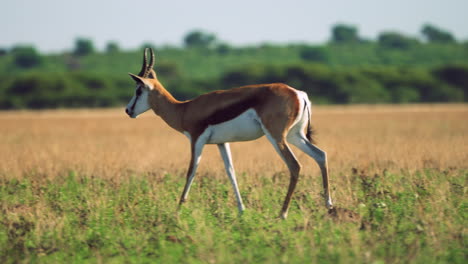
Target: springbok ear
140,80
136,78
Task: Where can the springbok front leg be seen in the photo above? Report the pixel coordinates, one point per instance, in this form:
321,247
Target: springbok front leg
225,151
320,157
194,161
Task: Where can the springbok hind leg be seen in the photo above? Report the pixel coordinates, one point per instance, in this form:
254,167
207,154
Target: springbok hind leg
294,167
319,156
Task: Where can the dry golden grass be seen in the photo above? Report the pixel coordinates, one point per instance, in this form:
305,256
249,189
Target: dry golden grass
106,143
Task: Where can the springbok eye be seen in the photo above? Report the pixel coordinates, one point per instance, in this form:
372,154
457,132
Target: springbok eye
138,92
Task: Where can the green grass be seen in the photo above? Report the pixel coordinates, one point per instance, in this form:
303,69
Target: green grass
389,218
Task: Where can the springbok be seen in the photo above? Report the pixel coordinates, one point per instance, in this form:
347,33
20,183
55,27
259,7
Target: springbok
245,113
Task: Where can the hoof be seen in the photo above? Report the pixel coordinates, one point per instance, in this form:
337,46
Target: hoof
284,215
241,212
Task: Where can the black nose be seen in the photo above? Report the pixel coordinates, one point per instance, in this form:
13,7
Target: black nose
127,111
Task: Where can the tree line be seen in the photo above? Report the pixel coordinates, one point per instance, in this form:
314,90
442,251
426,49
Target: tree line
394,68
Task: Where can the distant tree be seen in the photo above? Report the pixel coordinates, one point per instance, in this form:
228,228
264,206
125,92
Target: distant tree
199,39
436,35
394,40
317,54
26,56
344,34
223,48
112,47
3,52
83,47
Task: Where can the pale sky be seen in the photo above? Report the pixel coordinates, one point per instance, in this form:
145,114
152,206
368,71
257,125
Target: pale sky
53,25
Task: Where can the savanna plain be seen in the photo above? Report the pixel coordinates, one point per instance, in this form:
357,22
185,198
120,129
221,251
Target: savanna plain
93,186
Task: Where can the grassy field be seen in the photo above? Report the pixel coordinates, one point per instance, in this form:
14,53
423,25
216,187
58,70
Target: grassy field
94,186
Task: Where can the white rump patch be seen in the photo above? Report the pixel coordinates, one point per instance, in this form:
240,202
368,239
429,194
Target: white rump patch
302,118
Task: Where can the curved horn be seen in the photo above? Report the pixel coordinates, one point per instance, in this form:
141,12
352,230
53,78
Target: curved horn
150,73
151,60
144,67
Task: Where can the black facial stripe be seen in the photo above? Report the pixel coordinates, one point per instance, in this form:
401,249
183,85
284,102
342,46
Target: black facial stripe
137,94
134,103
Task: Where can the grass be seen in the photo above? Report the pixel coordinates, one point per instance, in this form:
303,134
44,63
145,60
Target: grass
95,187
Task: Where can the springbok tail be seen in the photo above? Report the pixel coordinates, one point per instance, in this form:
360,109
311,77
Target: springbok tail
310,130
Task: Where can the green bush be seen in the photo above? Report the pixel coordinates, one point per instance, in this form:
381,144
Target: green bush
394,40
26,57
398,69
314,54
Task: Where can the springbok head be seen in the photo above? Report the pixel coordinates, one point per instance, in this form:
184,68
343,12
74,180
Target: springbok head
139,102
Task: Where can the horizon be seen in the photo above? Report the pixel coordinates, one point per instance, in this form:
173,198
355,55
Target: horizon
180,44
50,27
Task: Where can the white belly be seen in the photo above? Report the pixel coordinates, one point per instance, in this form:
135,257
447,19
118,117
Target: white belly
245,127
